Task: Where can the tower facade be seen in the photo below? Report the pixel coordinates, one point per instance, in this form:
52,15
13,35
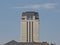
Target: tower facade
30,26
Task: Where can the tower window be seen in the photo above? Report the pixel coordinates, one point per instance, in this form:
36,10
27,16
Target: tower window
29,17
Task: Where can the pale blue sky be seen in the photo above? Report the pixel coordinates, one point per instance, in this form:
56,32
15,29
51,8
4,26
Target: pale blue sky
10,17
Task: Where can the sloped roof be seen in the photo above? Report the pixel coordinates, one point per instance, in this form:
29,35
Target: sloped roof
13,42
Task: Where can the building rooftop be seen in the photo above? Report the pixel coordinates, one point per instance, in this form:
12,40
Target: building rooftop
34,13
25,43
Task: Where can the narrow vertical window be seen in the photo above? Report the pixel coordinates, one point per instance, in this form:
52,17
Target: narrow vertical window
27,31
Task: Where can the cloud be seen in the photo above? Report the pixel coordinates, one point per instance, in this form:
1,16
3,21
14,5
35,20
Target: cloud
49,5
38,6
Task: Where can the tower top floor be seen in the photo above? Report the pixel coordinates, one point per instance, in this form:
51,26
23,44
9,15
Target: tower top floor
30,15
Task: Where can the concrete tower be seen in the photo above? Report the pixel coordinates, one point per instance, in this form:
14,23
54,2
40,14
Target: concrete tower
30,24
